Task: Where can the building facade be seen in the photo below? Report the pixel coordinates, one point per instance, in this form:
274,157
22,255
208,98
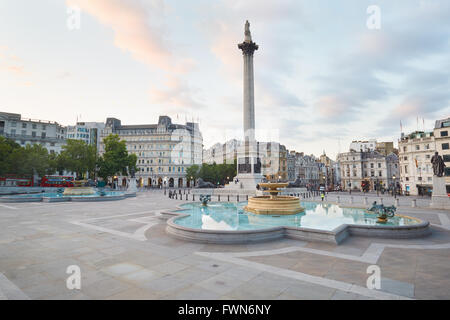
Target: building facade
222,153
164,150
442,142
367,171
88,132
416,170
49,134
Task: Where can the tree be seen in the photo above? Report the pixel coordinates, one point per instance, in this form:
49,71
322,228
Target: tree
33,159
192,172
214,173
116,159
7,147
79,157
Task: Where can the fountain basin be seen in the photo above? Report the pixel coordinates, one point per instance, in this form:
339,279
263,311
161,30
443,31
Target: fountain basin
226,223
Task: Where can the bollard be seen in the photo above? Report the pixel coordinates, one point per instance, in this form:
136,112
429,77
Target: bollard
193,197
247,197
186,197
228,198
396,202
338,199
381,200
176,196
351,199
237,198
413,203
365,200
218,198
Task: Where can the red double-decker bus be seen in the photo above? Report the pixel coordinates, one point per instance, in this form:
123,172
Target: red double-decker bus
10,180
57,181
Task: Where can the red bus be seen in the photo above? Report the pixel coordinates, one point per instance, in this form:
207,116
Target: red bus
10,180
57,181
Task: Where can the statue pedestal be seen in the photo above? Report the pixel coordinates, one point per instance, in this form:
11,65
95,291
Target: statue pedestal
439,198
132,186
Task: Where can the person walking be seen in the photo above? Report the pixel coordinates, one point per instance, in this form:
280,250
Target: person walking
322,195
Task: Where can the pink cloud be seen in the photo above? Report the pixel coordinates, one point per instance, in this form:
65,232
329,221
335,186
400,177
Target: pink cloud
138,30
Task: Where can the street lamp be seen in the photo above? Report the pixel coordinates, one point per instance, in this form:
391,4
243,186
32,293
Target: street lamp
395,186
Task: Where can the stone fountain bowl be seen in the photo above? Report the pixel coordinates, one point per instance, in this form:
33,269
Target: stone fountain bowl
280,205
273,185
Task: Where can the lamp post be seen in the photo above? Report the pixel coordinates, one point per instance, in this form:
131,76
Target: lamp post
395,187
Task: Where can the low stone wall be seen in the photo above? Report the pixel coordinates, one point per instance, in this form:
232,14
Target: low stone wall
24,190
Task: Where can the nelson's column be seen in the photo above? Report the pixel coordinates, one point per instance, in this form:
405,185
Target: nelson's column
248,161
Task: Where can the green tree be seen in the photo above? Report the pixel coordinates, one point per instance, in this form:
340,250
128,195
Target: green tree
33,159
7,147
77,156
214,173
192,172
116,159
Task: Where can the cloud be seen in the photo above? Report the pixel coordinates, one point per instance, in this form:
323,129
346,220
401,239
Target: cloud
269,23
403,60
139,28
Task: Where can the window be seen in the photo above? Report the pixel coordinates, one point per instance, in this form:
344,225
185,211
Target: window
404,149
444,133
406,169
43,135
13,124
405,158
417,147
446,157
427,147
371,165
34,126
24,132
447,172
13,132
445,146
379,165
24,125
33,134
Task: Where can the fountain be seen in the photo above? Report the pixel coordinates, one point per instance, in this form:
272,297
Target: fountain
273,203
79,189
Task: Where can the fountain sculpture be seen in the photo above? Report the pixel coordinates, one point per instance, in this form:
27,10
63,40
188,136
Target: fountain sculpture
273,203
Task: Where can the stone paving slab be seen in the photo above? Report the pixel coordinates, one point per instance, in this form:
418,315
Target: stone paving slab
39,241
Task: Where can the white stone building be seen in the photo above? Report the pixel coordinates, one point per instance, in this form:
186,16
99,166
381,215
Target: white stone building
364,146
49,134
222,152
442,142
88,132
371,168
416,170
164,150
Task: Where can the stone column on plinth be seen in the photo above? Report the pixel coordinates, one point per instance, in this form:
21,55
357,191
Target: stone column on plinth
248,161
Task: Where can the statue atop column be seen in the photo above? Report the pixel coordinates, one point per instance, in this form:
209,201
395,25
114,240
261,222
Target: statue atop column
438,165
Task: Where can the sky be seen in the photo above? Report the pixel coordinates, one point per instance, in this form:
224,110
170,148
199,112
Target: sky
326,72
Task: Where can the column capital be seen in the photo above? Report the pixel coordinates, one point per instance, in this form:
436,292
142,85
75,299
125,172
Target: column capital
248,47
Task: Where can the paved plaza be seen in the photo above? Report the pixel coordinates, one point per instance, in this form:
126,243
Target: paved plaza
123,252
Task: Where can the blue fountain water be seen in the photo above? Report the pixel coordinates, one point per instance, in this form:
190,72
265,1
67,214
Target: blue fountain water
231,216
